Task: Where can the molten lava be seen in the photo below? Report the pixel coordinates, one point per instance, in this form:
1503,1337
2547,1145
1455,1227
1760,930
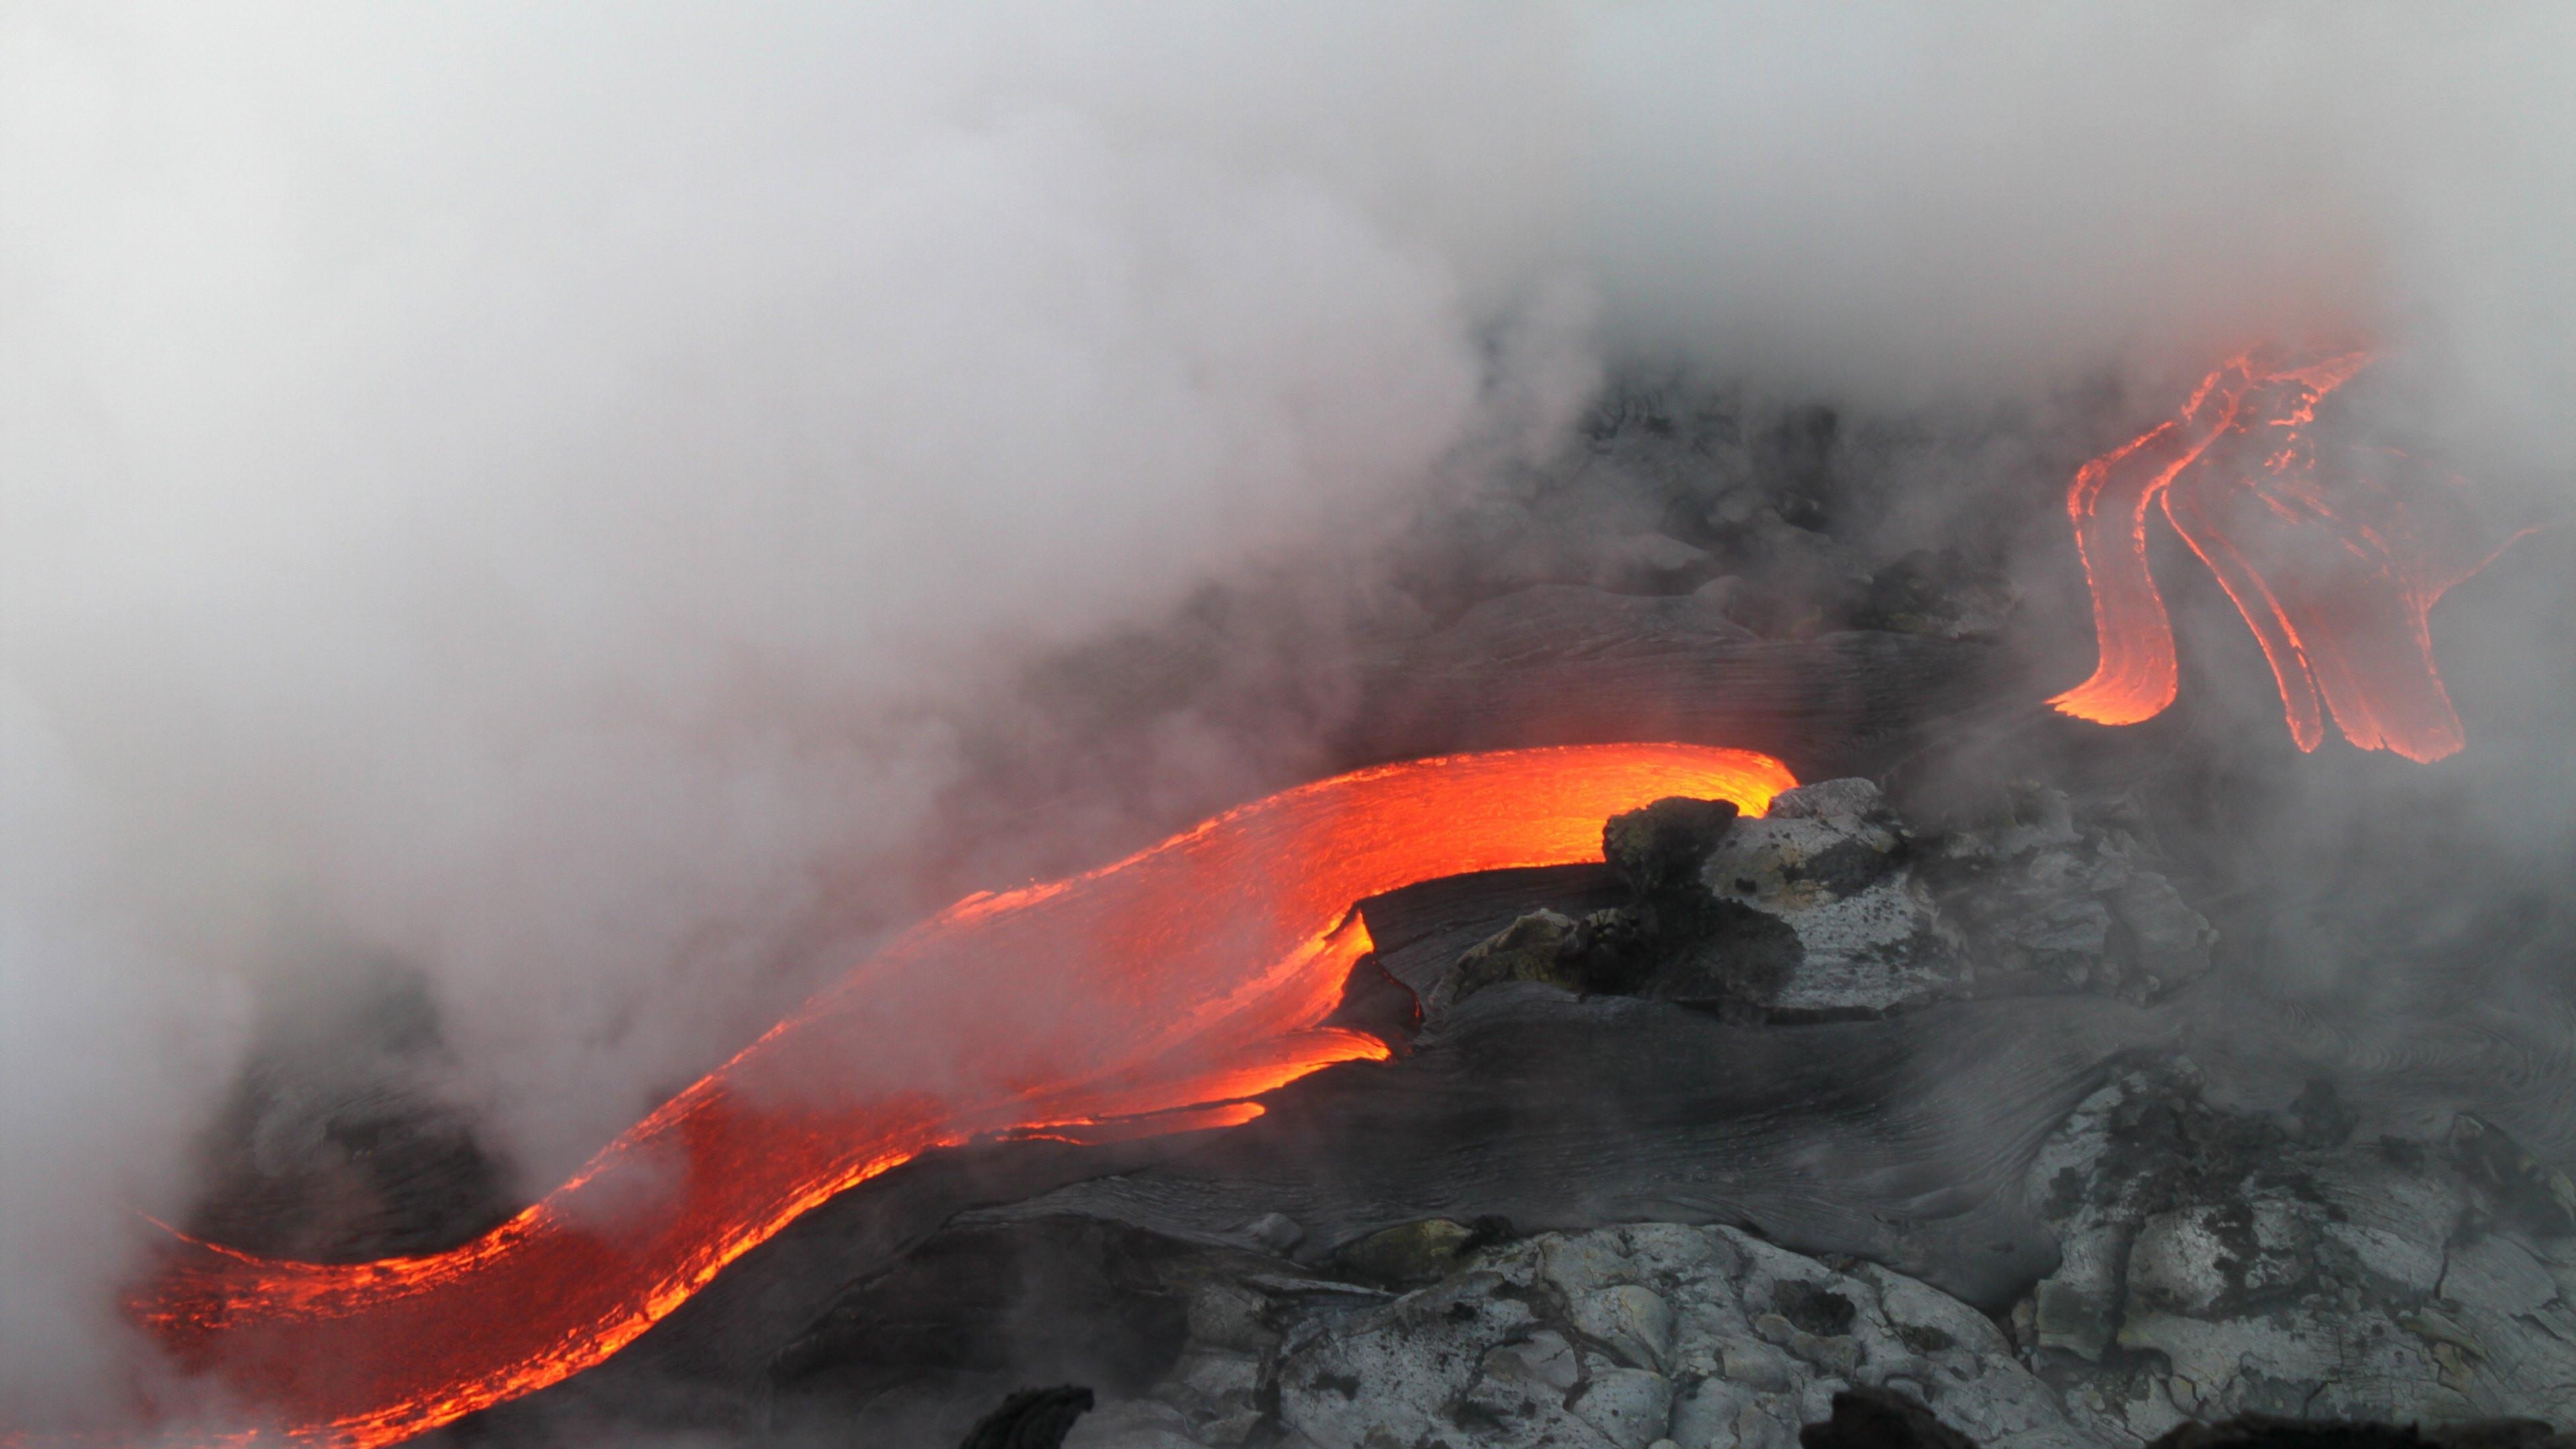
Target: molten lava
1179,981
2334,560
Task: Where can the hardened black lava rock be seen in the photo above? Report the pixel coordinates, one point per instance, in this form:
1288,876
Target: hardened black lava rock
2265,1431
1866,1418
1658,849
1031,1419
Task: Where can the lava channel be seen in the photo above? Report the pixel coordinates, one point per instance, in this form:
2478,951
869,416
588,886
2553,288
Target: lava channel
2333,559
1181,981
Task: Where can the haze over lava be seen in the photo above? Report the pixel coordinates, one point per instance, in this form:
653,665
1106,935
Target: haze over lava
1188,976
2333,565
565,502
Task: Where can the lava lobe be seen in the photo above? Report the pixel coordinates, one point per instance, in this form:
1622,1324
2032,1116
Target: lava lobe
2332,554
1181,981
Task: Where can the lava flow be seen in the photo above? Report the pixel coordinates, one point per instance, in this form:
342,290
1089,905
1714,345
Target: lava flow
2333,563
1181,981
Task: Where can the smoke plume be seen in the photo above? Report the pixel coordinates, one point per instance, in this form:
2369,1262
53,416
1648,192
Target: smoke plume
546,497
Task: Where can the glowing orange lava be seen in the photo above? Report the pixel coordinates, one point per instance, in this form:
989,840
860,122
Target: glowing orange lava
1181,980
2333,565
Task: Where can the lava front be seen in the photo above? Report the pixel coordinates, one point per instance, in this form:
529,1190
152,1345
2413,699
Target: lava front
2332,554
1189,976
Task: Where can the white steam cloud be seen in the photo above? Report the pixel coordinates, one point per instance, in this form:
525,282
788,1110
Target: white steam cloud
519,490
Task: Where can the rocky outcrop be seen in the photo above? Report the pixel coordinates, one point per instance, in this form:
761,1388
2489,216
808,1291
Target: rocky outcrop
1832,863
2214,1274
1867,1418
1813,911
1544,946
2218,1263
337,1143
2049,897
1624,1337
1031,1419
2271,1431
1830,906
1620,1338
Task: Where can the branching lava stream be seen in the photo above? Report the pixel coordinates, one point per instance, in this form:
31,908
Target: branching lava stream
1182,980
2333,555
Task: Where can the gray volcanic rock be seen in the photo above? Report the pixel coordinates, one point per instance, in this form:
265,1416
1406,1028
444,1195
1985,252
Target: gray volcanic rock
2216,1264
337,1143
2068,899
1830,861
1828,906
1811,911
1659,850
1940,593
1543,946
2219,1263
1619,1338
1031,1419
2272,1431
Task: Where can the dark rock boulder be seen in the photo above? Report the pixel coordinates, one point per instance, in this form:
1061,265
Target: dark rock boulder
1031,1419
2266,1431
1657,851
1866,1418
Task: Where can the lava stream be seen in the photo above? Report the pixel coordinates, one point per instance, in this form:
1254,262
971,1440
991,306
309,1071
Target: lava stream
2332,563
1181,980
2109,502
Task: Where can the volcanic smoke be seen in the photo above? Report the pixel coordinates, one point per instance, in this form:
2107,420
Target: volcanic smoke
2333,563
1180,981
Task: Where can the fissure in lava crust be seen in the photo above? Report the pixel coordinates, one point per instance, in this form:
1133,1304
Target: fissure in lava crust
1182,981
2332,555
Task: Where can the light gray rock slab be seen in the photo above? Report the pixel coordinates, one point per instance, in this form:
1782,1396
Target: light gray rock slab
1829,861
1621,1337
2214,1265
